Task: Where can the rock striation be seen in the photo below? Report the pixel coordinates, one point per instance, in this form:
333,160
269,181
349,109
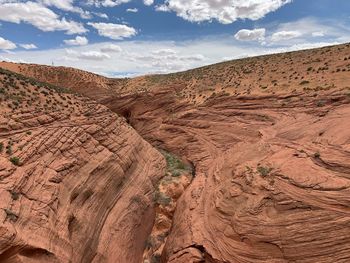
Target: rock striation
268,139
76,181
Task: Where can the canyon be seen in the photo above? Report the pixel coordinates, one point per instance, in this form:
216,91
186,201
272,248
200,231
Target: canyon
241,161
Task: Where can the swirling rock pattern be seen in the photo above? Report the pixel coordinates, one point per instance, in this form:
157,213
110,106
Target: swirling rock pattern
272,182
83,186
271,162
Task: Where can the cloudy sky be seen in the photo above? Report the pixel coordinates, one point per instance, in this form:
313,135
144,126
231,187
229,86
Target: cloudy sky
136,37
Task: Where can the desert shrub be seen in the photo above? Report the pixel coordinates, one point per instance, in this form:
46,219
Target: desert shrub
162,199
15,160
14,195
264,171
11,215
317,155
9,149
320,103
1,147
175,166
155,258
304,82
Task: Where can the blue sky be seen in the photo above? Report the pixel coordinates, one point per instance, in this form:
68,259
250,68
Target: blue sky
135,37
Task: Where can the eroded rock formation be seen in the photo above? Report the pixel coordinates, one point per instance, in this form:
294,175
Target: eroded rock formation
76,181
271,162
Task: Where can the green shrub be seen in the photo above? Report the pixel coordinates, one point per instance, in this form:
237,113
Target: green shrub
14,195
9,149
162,199
264,171
320,103
11,215
304,82
15,160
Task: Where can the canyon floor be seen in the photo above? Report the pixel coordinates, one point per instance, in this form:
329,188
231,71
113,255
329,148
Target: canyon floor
243,161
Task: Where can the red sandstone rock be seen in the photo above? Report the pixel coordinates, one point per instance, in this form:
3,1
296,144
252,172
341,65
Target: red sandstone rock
271,168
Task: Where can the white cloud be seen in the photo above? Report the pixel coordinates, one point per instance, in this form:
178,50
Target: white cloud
249,35
78,41
164,52
318,34
114,31
28,46
146,57
285,35
6,44
93,55
107,3
308,28
148,2
38,16
111,48
162,8
132,10
102,15
67,5
224,11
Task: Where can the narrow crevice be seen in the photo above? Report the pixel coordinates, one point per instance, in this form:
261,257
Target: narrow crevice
171,187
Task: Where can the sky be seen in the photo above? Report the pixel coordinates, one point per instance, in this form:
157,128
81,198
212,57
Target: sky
125,38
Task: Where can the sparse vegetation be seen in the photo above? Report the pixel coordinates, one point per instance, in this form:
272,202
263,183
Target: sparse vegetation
162,199
304,82
317,155
15,160
320,103
14,195
264,171
174,165
11,215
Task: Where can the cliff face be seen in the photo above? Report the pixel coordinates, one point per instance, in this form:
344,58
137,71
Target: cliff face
77,182
271,165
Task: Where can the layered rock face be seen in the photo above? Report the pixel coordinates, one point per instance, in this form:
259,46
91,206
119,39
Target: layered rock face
76,181
271,163
272,175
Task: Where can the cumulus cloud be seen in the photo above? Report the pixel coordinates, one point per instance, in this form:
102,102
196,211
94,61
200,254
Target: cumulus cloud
6,44
307,28
107,3
78,41
114,31
67,5
39,16
111,48
251,35
148,2
225,11
93,55
28,46
132,10
285,35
